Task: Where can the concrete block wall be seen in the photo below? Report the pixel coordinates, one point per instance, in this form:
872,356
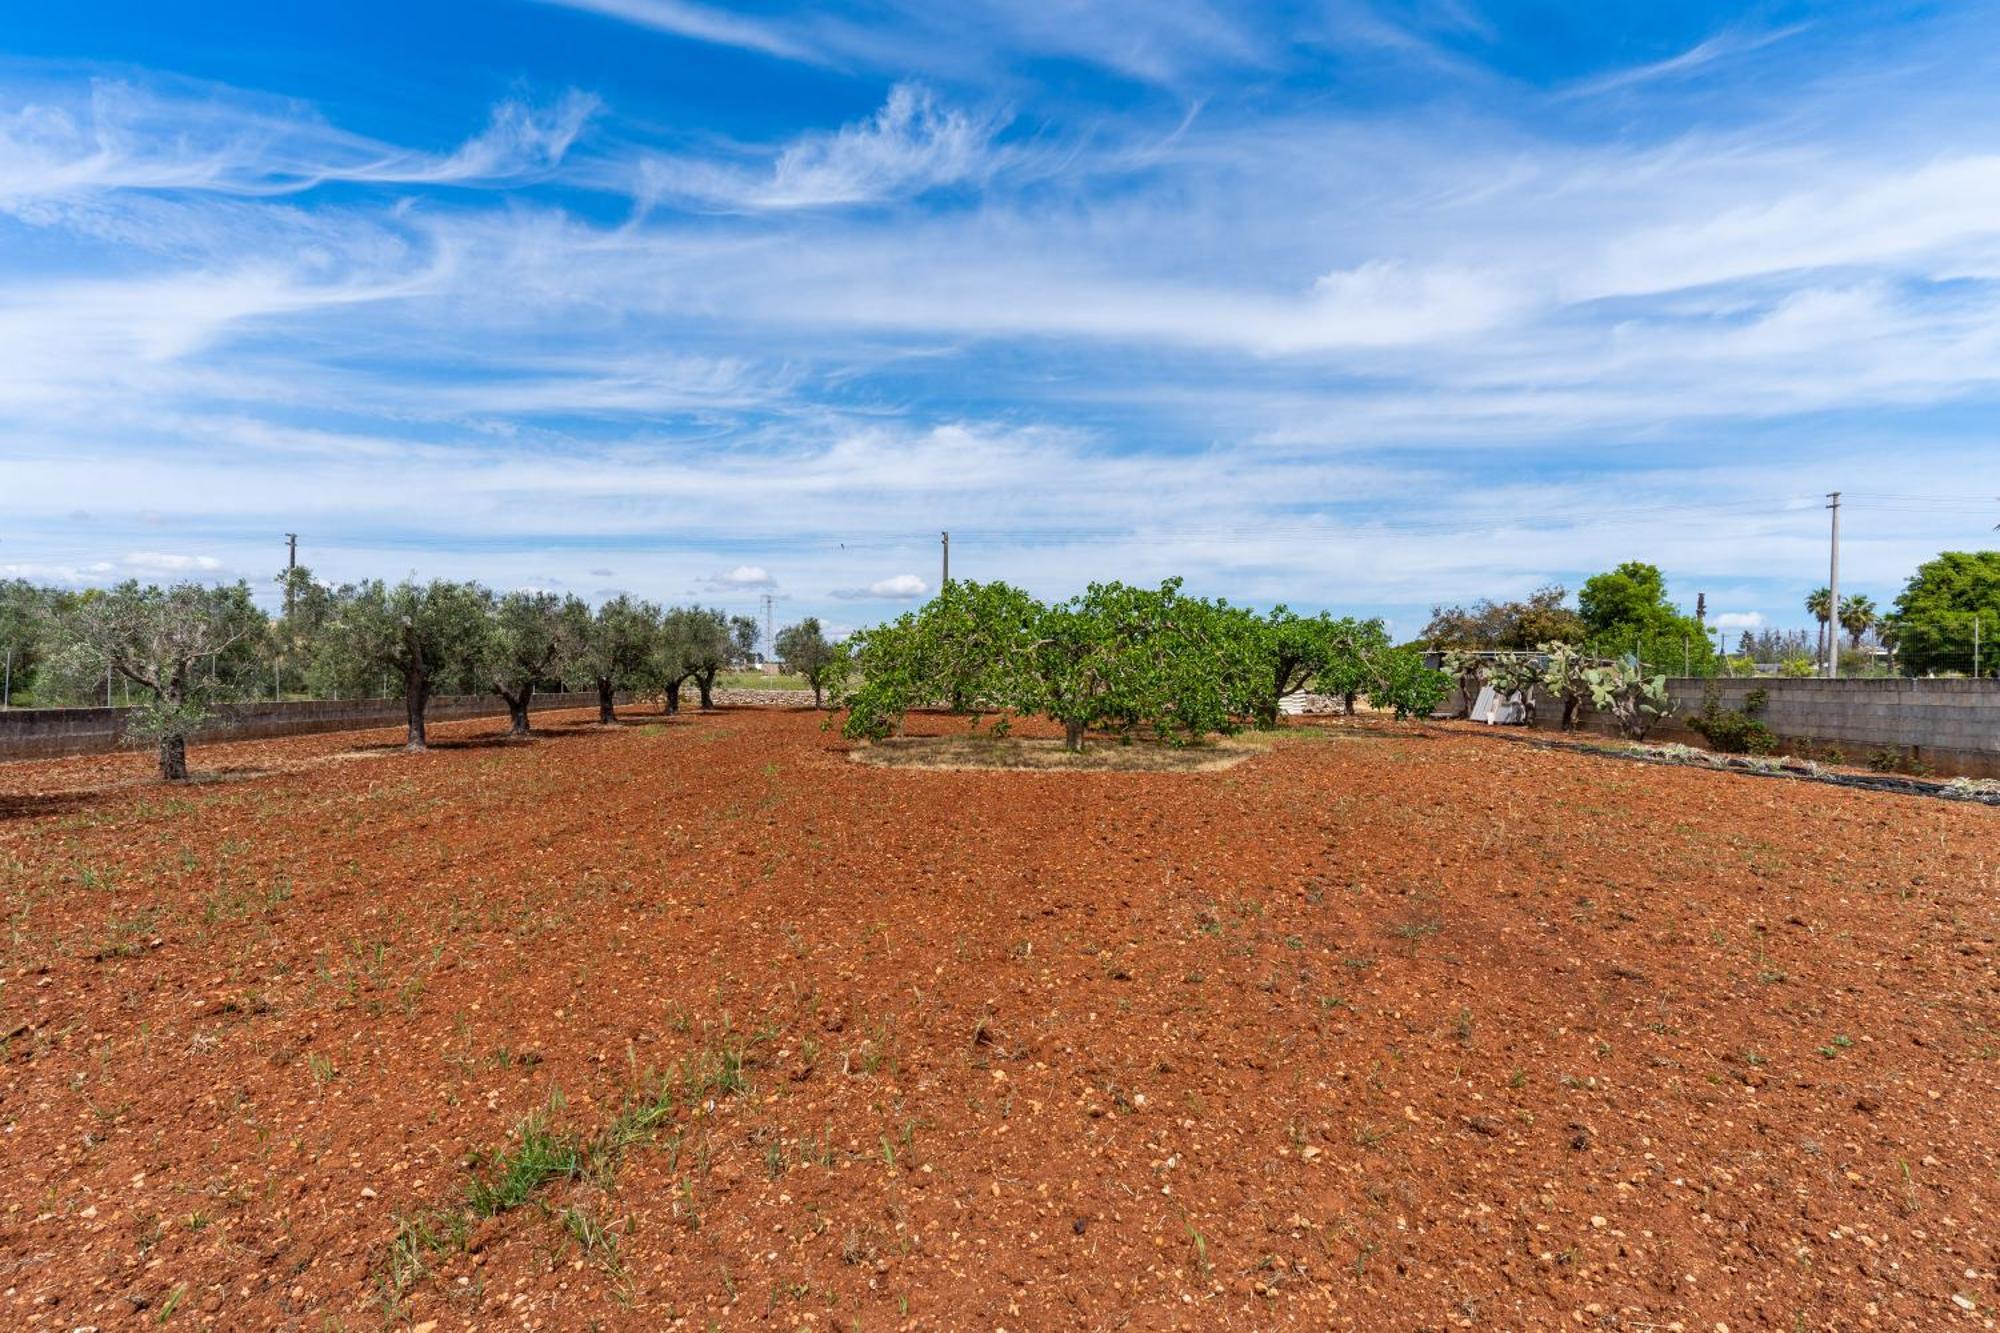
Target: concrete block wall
42,733
1951,727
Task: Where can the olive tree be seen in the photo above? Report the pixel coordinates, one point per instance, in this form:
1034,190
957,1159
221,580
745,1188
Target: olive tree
530,635
696,643
158,639
743,640
613,647
804,648
427,634
26,614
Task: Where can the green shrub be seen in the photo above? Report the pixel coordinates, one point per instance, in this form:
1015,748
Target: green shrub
1731,730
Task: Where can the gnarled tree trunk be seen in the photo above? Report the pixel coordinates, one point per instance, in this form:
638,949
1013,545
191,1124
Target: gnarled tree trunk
606,713
173,758
517,710
705,682
673,697
416,697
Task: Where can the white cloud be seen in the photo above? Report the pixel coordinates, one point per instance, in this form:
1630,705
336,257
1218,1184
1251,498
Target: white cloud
895,588
1739,620
1157,41
744,576
1722,46
702,24
912,145
123,136
160,562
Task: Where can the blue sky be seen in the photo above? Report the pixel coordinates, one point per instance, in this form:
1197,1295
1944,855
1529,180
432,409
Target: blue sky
1363,306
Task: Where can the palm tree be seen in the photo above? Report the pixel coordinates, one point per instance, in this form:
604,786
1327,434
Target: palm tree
1857,615
1819,605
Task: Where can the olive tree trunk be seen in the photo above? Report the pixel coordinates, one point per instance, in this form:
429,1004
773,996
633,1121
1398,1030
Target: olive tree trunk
673,697
606,714
416,697
705,682
517,710
173,758
1073,737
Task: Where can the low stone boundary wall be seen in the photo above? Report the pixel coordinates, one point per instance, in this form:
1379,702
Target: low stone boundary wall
1948,727
43,733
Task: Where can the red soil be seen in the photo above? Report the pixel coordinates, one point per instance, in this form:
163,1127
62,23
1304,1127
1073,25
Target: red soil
1376,1030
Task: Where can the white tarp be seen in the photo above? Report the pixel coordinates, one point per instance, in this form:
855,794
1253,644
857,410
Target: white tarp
1494,710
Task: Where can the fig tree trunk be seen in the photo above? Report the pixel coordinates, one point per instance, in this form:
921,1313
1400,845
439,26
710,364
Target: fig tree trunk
1347,702
816,698
173,758
606,714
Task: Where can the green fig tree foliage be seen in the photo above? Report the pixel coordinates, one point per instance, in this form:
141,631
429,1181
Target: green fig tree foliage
1404,685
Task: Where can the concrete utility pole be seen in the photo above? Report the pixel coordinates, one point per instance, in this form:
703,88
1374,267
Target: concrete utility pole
291,563
770,624
946,538
1833,594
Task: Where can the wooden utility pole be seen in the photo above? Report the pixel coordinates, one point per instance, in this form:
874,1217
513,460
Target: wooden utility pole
1833,594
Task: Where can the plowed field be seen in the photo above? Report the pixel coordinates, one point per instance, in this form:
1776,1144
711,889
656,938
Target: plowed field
695,1023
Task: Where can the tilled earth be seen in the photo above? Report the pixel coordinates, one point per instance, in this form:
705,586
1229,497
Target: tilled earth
693,1023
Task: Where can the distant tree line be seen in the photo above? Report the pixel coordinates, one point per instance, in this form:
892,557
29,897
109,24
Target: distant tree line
1942,623
1620,613
181,651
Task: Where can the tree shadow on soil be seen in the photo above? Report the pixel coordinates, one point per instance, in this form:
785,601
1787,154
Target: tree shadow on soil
15,805
83,800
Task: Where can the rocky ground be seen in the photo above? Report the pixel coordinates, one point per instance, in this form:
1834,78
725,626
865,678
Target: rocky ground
691,1022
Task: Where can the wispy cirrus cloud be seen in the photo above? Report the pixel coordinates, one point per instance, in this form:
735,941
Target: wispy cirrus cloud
1160,42
113,135
1724,45
912,145
1383,353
